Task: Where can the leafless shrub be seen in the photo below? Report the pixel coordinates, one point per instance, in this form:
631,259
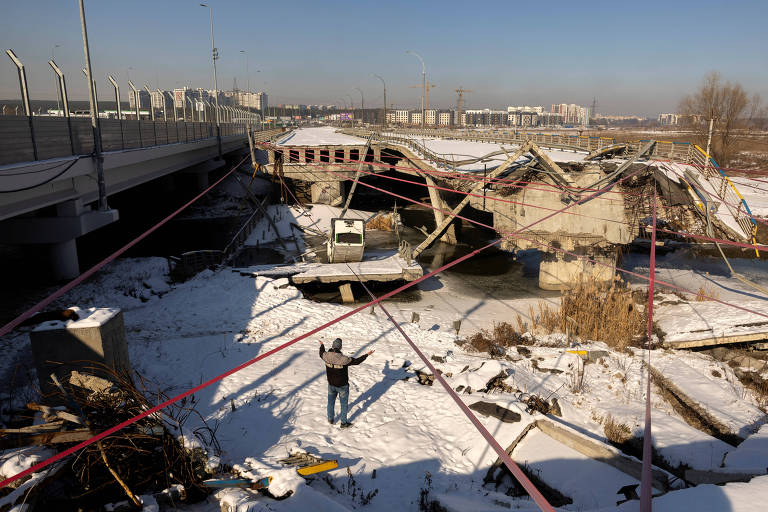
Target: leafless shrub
615,431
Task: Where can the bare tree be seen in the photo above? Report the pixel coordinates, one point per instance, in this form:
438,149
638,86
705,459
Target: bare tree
721,103
757,113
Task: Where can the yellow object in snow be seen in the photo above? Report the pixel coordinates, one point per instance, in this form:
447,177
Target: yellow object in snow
325,465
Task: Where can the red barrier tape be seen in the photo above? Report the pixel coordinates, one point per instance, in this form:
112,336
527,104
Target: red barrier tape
646,473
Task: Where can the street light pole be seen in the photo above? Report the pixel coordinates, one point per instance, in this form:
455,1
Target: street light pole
247,81
385,96
58,86
98,159
423,85
215,57
362,103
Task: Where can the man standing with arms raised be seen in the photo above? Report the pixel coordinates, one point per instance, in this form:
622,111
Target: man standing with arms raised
336,365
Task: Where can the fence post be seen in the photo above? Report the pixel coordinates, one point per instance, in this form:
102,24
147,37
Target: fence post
25,98
64,102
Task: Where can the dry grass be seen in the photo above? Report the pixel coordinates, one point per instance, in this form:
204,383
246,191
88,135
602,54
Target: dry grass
501,336
596,311
382,222
615,432
707,292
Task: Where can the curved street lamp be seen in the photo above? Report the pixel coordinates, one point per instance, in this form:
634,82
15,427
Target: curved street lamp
385,96
362,103
423,85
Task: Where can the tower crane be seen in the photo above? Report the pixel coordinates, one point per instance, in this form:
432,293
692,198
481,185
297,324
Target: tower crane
461,90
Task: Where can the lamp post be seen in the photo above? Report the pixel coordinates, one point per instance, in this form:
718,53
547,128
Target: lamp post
98,160
362,104
423,85
247,81
385,96
215,57
58,85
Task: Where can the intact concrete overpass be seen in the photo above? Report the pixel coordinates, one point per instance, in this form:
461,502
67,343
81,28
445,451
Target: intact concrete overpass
46,201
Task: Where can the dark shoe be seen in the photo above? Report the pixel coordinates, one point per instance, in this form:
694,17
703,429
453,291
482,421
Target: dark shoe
331,422
346,425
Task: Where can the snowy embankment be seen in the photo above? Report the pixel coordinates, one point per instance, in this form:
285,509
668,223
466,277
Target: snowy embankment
413,436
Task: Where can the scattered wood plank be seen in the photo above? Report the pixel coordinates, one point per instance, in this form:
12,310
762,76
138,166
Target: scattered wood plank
67,436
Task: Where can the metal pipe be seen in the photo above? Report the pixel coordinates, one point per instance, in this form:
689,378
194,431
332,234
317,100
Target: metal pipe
98,160
58,84
24,98
165,108
151,106
136,100
117,96
119,109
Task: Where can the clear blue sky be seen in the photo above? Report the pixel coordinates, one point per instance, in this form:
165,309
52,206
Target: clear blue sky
635,57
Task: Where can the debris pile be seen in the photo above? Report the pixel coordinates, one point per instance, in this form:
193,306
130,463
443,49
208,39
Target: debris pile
144,462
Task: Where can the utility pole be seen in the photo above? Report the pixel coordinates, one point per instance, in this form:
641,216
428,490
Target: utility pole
98,159
423,84
362,103
215,57
385,97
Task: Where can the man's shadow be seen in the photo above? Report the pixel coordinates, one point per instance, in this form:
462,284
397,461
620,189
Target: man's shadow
391,376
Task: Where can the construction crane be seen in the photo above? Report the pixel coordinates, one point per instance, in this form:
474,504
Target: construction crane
461,90
426,98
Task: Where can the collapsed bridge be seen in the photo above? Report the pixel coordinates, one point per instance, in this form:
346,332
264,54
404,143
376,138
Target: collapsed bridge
525,182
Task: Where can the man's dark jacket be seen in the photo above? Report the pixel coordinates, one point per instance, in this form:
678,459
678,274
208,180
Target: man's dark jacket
336,365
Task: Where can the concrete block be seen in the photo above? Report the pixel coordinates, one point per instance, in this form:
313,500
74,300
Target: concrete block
62,347
346,293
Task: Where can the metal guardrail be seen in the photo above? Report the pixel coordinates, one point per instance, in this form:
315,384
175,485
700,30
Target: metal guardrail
676,151
55,137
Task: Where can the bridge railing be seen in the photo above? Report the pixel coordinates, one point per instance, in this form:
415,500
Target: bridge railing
54,137
675,151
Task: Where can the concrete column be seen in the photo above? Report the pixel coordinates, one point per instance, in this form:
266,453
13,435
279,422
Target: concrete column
377,153
63,259
436,199
560,271
302,156
346,156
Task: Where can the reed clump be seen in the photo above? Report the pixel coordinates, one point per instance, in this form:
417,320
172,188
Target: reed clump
596,311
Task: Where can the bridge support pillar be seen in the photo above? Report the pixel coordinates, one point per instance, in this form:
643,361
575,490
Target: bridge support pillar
437,201
327,192
560,271
58,233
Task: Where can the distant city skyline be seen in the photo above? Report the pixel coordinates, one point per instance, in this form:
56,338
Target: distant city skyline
633,61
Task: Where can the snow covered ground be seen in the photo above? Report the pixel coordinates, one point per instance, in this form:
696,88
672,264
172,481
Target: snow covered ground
317,136
462,150
412,436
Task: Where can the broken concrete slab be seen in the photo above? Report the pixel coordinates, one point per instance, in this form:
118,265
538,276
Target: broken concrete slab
491,409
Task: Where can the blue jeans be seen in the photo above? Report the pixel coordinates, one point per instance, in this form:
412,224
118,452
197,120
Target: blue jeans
343,392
